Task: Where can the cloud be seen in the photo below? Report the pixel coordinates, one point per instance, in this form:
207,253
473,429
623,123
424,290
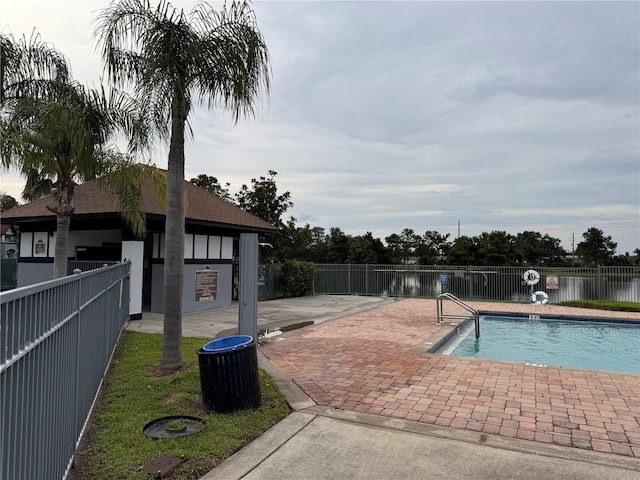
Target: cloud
584,212
389,115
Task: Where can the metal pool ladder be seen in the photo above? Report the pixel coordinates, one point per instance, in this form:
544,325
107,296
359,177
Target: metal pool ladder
457,301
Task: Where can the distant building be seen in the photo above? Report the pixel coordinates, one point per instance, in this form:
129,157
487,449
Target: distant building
98,234
411,261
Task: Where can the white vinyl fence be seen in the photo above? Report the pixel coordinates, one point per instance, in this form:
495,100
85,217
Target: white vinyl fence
56,342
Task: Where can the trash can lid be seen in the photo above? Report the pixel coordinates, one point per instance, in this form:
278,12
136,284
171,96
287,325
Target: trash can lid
228,344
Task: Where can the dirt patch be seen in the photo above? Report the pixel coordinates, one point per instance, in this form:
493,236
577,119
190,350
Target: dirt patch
157,372
81,470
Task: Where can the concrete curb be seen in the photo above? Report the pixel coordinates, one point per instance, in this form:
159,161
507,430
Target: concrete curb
249,457
478,438
295,396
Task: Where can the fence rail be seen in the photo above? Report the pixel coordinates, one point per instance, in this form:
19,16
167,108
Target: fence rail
479,283
56,342
86,265
270,282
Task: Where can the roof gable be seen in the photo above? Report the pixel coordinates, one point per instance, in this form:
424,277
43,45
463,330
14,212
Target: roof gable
91,199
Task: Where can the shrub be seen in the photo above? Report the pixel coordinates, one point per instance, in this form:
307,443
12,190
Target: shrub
604,305
297,277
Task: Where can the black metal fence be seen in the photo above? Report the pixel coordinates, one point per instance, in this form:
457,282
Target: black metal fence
270,281
8,273
479,283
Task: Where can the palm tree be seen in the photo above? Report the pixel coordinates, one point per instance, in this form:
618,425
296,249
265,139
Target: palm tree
29,68
56,132
172,60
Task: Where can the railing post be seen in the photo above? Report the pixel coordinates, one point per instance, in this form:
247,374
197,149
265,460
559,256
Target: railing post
366,279
599,283
441,315
107,314
315,279
76,387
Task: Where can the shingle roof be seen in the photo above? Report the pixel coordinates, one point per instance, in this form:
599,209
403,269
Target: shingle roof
90,198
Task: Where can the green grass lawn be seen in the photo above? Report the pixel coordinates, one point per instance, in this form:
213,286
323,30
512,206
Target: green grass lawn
604,305
135,393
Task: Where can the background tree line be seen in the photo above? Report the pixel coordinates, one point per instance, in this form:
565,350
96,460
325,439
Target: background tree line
495,248
316,244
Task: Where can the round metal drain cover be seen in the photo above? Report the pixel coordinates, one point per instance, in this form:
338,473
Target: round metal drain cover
173,427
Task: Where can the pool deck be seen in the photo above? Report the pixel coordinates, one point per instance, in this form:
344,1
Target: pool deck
375,362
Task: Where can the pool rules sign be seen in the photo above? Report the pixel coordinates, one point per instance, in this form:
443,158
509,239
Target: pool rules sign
206,288
552,282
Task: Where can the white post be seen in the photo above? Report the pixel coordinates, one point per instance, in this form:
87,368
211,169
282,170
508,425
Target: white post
248,294
133,251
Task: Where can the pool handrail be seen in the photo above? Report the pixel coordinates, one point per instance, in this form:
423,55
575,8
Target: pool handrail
457,301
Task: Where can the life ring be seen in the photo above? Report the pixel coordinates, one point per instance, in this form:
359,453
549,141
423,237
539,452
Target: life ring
530,277
540,298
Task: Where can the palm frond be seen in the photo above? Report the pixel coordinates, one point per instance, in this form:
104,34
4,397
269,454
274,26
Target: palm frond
215,57
124,178
36,185
30,67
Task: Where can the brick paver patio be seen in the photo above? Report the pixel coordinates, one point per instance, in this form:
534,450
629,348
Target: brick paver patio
364,363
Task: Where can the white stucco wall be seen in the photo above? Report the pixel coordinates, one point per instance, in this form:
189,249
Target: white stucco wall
92,238
198,247
214,247
77,238
45,242
134,252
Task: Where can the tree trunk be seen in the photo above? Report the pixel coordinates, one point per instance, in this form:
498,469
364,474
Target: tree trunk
64,210
62,239
174,241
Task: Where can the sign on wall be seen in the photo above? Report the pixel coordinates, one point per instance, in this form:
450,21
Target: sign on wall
552,282
39,247
206,288
40,244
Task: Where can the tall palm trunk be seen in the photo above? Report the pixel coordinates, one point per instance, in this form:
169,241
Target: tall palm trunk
63,211
62,239
174,240
170,56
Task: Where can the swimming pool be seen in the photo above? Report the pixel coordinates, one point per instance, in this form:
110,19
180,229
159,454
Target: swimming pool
552,342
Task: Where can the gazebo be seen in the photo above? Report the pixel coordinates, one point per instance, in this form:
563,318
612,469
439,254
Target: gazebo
221,245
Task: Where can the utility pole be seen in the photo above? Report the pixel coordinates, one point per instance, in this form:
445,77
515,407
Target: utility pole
573,250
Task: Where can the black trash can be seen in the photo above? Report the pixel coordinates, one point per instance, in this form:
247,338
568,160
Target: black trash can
229,374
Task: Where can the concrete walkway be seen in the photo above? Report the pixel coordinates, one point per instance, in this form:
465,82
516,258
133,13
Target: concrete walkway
368,406
323,443
272,314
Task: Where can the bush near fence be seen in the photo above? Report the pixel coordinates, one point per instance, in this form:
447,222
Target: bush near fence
297,278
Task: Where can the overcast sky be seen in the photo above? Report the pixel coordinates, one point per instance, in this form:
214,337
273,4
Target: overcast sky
389,115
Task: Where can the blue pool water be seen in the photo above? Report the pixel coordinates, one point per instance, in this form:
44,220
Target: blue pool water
600,346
